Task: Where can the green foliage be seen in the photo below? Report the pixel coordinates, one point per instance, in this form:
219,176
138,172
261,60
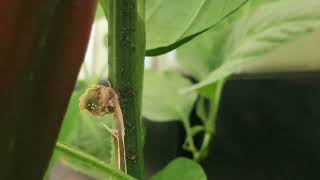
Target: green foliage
201,109
71,118
169,26
89,164
99,12
105,6
86,133
181,168
162,99
256,30
259,31
92,138
249,34
167,23
202,55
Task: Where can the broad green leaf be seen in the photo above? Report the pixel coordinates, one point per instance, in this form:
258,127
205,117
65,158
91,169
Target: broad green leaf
162,100
94,167
170,23
181,168
269,27
203,54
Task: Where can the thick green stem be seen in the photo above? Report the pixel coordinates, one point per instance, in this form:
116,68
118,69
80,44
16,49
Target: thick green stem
126,66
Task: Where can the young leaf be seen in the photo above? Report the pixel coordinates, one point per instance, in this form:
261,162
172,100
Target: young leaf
162,100
168,25
89,164
181,168
260,32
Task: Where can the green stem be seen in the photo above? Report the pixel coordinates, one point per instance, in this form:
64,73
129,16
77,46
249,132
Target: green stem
210,124
126,44
189,143
214,104
76,154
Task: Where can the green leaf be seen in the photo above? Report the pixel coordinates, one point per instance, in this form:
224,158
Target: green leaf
181,168
99,12
205,53
71,118
202,55
89,164
105,6
92,138
257,34
85,132
162,100
168,25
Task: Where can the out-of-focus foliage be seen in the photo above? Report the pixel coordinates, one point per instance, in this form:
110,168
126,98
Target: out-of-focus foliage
88,164
86,133
181,168
169,26
162,100
256,32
